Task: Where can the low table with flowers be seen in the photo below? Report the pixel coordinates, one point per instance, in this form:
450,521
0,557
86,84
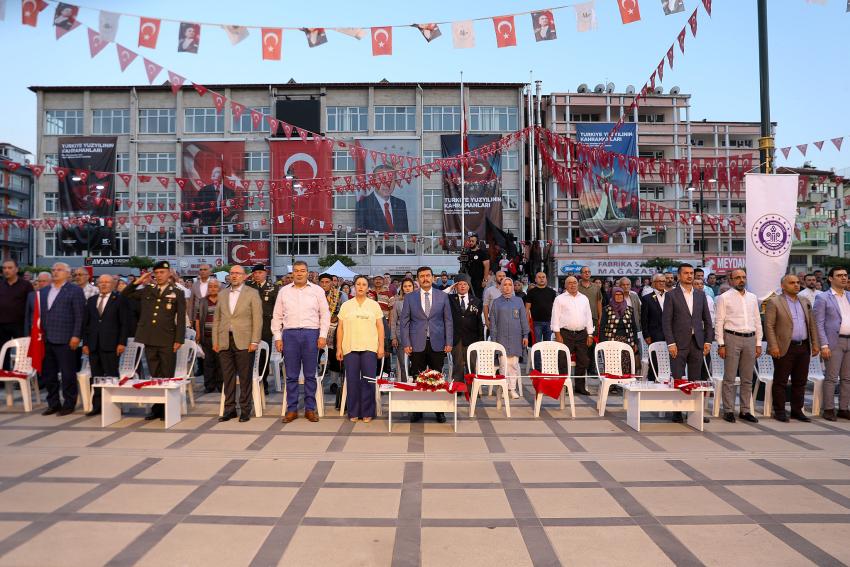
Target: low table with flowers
115,391
428,392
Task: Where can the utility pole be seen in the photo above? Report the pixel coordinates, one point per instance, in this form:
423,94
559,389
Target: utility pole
766,140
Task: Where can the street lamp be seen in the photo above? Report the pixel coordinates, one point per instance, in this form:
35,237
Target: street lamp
701,212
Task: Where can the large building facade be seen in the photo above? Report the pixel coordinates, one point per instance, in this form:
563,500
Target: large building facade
153,127
16,194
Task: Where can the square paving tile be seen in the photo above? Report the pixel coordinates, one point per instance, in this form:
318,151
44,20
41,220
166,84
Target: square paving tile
551,471
816,468
681,501
521,426
188,423
298,444
146,440
574,503
355,503
61,544
690,443
465,445
483,547
825,442
465,503
256,424
229,442
140,499
8,528
9,436
842,489
533,445
731,469
832,538
327,424
635,470
742,544
16,464
70,439
617,445
464,425
184,468
589,425
193,545
246,501
41,497
367,471
459,471
351,546
519,410
784,499
280,470
394,444
762,443
94,466
613,546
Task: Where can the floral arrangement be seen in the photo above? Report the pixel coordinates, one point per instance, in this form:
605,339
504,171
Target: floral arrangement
430,380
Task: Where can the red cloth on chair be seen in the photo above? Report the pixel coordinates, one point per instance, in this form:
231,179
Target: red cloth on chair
11,374
547,384
469,378
619,377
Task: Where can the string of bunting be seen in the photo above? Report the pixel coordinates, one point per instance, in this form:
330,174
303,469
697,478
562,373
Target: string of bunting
803,148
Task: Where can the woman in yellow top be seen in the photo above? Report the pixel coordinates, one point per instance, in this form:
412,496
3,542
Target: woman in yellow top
359,345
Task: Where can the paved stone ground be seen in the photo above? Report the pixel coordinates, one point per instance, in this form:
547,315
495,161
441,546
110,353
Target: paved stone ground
520,491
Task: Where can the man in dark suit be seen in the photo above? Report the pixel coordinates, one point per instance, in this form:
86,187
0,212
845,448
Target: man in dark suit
217,193
651,313
105,330
382,212
62,325
688,329
468,326
426,329
162,323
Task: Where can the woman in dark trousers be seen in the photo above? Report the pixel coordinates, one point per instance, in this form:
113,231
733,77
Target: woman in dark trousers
213,378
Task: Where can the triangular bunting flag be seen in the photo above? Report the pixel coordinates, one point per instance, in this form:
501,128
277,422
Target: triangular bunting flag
660,70
707,5
681,38
803,148
176,81
785,151
693,21
96,43
670,56
819,145
125,56
219,101
152,69
837,143
202,90
236,109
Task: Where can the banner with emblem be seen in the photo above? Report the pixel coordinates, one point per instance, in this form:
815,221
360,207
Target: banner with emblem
771,214
301,206
213,193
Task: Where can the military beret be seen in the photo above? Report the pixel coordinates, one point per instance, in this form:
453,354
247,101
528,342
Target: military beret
258,268
162,265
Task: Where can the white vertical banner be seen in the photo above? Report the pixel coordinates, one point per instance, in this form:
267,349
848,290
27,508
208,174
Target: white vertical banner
771,214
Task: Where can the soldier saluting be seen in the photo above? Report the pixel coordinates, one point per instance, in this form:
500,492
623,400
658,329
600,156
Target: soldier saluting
162,322
268,295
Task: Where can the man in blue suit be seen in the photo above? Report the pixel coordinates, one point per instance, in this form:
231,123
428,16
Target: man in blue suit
426,329
832,320
62,305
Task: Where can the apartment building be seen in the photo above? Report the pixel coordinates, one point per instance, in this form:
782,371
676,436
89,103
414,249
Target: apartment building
16,193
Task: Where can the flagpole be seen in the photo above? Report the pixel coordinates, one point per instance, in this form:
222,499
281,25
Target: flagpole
462,179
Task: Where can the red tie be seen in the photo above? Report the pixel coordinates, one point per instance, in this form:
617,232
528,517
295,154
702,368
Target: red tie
388,217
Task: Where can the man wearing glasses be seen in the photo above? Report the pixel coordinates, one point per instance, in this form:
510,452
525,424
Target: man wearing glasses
832,319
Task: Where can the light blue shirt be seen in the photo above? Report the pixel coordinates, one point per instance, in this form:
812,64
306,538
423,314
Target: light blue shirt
798,319
53,294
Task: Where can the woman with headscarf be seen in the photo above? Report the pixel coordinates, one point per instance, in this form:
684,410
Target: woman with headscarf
618,324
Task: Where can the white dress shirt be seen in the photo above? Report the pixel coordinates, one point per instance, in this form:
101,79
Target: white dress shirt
737,312
809,294
203,286
844,307
661,295
90,290
53,294
712,308
689,298
301,308
233,297
430,292
464,300
572,312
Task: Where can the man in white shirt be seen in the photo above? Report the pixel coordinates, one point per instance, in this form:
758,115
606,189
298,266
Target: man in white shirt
492,293
81,278
738,332
709,298
572,321
809,291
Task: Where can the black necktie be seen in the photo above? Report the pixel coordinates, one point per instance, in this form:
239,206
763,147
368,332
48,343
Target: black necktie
462,303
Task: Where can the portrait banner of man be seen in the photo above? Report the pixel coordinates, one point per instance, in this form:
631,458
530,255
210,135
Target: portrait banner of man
189,37
88,187
315,36
65,18
544,25
218,167
672,6
429,31
392,205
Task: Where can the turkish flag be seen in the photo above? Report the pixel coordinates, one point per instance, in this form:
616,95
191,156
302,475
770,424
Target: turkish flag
308,163
125,56
36,348
96,43
382,41
248,252
505,31
30,10
148,32
272,39
152,69
629,11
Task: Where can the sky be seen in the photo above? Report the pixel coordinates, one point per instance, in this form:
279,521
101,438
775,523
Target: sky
809,55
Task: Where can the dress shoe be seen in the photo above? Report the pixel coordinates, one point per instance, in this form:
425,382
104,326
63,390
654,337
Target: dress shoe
311,416
290,417
829,415
748,417
266,389
801,417
677,417
228,416
729,416
333,389
706,419
93,412
244,417
781,417
582,391
843,414
50,411
415,417
65,411
441,417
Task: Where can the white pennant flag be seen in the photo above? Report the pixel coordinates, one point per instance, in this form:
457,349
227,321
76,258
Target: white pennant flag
356,33
463,35
2,10
235,33
586,16
108,26
771,217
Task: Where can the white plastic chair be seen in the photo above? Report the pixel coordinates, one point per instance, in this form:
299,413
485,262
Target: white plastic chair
22,364
183,368
549,351
128,365
276,361
612,363
321,369
379,410
644,356
660,362
486,366
764,371
816,377
257,394
716,371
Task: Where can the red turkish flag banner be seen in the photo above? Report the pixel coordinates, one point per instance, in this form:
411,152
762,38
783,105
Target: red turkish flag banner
505,31
202,90
272,43
629,11
36,347
785,151
819,145
125,56
236,109
837,142
681,39
176,81
163,181
37,169
126,178
96,43
219,101
152,69
273,124
660,70
707,5
256,119
803,148
30,10
148,32
670,56
693,21
382,41
307,163
248,252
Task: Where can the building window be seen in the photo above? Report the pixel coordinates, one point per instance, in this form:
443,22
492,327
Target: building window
347,119
430,156
51,160
52,248
345,201
651,155
203,121
650,118
344,162
158,162
51,201
245,124
157,201
492,118
122,202
584,117
257,235
348,244
652,193
431,243
120,246
111,121
395,118
63,122
301,246
737,245
510,160
394,244
257,161
433,198
510,200
122,163
441,119
157,121
156,244
202,247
